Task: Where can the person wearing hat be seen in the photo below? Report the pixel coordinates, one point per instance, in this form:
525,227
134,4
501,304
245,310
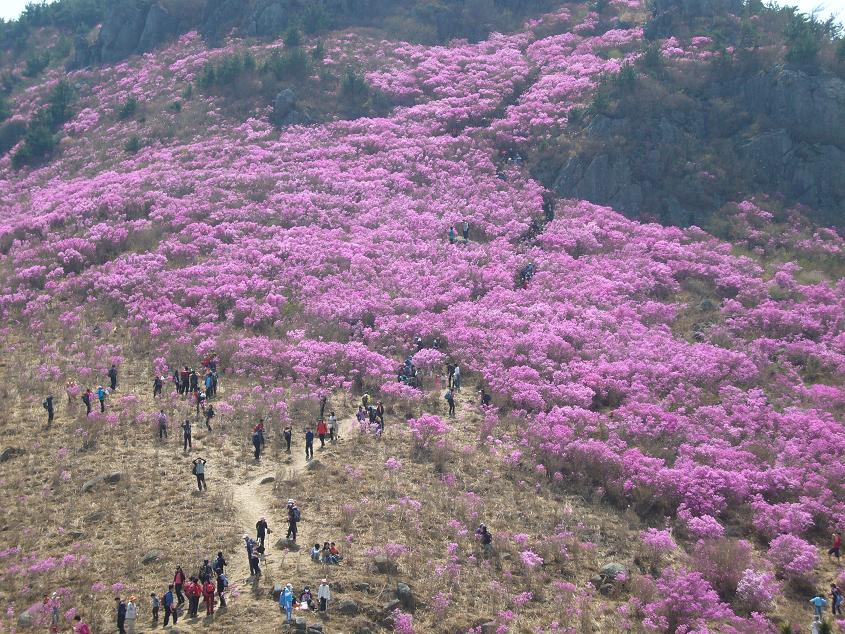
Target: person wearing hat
286,602
131,615
262,530
324,593
293,519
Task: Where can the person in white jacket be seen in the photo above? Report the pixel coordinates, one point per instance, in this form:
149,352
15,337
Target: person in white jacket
131,615
324,593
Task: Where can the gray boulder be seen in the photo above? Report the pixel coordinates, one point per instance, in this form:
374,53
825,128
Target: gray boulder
26,620
606,179
300,624
122,29
347,608
315,628
284,104
159,27
383,565
10,452
361,587
93,482
270,18
406,597
113,477
489,628
612,570
151,556
94,518
268,479
391,605
313,465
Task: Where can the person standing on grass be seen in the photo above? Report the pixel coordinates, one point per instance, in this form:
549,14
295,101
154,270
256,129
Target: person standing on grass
456,379
192,589
158,383
324,594
818,605
835,599
322,430
200,398
207,382
380,415
184,380
48,405
101,396
465,231
162,425
450,399
131,615
178,582
286,602
80,626
177,381
209,414
259,429
333,427
205,571
256,442
837,545
195,380
121,615
113,377
186,434
452,235
294,516
288,434
219,563
309,444
86,399
169,606
222,584
262,530
155,603
208,592
199,471
323,401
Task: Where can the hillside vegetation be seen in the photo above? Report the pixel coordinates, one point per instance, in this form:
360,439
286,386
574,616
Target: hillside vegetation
660,452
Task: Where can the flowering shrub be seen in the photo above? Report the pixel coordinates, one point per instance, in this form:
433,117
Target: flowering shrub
792,557
756,591
685,602
428,430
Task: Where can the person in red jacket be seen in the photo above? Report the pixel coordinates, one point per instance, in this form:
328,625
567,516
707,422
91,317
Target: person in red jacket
322,431
193,590
178,584
208,591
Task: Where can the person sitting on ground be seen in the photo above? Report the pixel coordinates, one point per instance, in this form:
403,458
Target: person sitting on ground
306,599
485,538
315,552
326,553
336,557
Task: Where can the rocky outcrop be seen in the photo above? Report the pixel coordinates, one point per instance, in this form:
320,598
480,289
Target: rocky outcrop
285,113
121,30
159,27
269,19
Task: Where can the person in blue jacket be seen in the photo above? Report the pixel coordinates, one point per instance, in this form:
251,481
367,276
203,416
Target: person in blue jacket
286,602
101,396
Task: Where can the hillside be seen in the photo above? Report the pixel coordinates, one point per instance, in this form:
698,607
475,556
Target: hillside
651,294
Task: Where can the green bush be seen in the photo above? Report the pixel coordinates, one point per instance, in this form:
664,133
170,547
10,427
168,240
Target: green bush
175,106
207,76
651,59
59,103
39,140
803,38
292,37
319,51
626,77
314,18
10,134
229,69
128,109
5,112
35,63
292,64
133,144
354,87
188,92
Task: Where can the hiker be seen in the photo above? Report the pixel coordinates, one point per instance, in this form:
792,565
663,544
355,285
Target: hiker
194,378
184,379
450,398
162,425
131,615
485,398
157,385
305,598
333,427
200,401
380,415
254,567
485,538
208,592
186,433
450,368
222,584
101,396
53,604
177,381
323,401
324,593
199,471
259,429
262,530
113,377
837,545
326,553
361,415
836,599
208,382
178,582
818,604
288,434
169,606
365,400
86,398
322,430
154,607
205,571
465,231
80,626
220,563
456,379
209,414
315,553
48,405
294,516
256,442
121,615
309,443
452,235
194,593
213,380
286,602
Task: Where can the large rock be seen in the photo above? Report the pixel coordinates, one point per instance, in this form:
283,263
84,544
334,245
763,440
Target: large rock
122,29
606,179
613,570
313,465
270,18
489,628
151,556
300,624
93,482
219,18
84,53
347,608
113,477
391,605
284,104
268,479
383,565
26,620
159,27
406,597
315,628
94,518
10,452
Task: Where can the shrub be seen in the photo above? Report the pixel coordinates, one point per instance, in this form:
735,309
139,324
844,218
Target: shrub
292,37
5,111
314,18
59,103
656,543
133,144
35,63
291,64
684,600
318,52
175,106
794,559
756,591
354,87
427,430
10,134
39,140
722,562
129,108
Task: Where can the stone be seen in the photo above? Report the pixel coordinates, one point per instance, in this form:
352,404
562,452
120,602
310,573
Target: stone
151,556
383,565
121,30
612,570
391,605
269,20
364,628
93,482
361,587
76,534
93,518
159,26
284,104
268,479
315,628
25,619
347,608
606,588
287,544
10,452
114,476
406,597
489,628
313,465
597,580
300,624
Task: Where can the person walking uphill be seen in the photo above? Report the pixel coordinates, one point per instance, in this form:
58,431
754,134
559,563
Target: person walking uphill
162,425
818,605
836,546
222,584
169,606
86,398
186,433
101,396
262,530
199,471
208,592
309,444
113,377
322,431
157,385
256,442
286,602
178,582
294,516
48,405
450,399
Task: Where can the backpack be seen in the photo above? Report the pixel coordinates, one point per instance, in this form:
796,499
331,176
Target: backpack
46,405
194,469
225,580
297,516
